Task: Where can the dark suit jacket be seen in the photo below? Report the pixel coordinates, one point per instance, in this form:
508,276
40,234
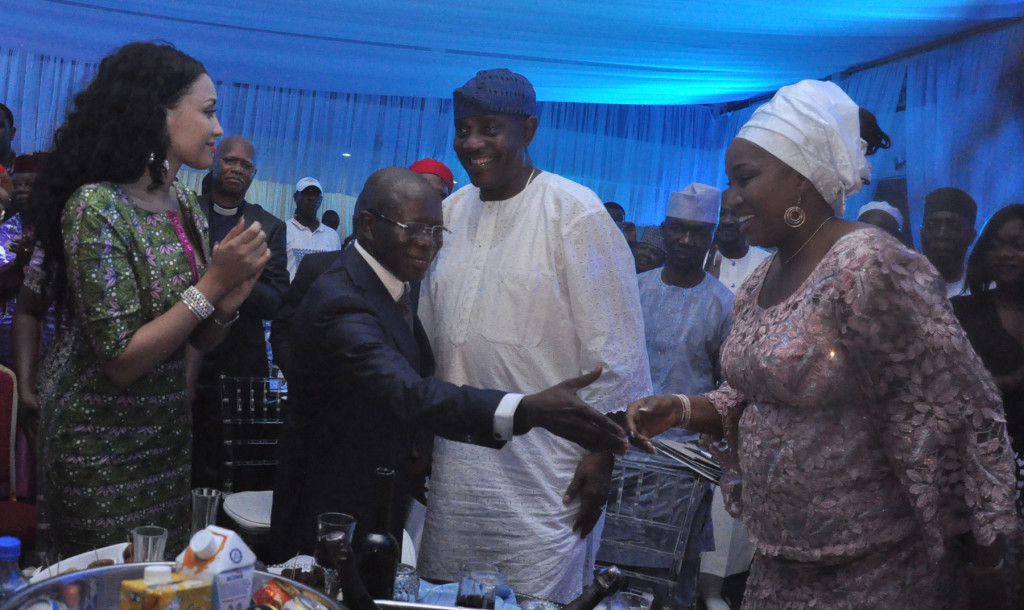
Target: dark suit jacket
360,385
243,353
313,265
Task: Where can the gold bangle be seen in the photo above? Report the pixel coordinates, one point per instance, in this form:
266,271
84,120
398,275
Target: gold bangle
684,419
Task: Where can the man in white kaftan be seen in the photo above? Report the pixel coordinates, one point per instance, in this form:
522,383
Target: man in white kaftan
535,280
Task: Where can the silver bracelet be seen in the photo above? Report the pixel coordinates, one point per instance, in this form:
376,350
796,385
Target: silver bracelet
197,303
233,319
684,421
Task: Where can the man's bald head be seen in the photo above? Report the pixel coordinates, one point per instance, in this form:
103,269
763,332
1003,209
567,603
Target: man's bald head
233,169
388,188
398,221
236,143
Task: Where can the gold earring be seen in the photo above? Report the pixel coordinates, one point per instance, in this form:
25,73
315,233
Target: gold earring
794,215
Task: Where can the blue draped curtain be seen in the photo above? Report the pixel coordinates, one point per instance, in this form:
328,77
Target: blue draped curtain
636,155
957,133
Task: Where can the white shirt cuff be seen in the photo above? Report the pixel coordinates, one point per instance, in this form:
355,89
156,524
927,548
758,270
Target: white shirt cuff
504,416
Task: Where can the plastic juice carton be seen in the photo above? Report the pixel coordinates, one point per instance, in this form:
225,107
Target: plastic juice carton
159,589
218,556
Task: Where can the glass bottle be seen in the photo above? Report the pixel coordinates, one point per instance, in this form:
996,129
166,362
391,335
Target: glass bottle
379,551
606,583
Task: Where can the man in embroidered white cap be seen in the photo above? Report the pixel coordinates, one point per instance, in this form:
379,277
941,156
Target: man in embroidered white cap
534,281
687,316
883,216
305,232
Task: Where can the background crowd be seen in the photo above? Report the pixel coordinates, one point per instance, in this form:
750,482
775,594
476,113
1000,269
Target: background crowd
870,430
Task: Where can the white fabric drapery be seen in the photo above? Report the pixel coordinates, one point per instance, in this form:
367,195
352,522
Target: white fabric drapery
636,155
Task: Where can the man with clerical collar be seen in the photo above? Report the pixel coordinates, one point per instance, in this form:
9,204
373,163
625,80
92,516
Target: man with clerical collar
362,383
243,353
535,284
731,259
947,232
305,232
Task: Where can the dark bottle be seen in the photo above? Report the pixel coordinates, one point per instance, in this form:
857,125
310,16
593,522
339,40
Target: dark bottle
378,551
606,583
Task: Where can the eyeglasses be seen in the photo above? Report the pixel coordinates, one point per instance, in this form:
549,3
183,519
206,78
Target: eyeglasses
415,230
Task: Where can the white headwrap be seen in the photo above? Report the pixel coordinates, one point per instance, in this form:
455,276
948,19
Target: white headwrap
814,127
882,206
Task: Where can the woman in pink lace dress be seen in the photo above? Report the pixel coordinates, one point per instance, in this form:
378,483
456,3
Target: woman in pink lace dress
863,443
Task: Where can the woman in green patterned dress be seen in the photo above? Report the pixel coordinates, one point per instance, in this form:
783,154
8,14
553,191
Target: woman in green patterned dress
130,274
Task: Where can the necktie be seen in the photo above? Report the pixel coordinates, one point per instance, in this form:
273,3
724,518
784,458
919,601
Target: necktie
406,305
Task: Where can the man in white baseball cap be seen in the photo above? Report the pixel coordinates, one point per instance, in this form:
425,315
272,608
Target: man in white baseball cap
305,233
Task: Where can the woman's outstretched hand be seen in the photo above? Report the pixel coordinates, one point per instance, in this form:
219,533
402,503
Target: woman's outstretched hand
650,416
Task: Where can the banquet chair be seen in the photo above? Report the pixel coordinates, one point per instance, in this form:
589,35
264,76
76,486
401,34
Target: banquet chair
252,415
650,545
17,519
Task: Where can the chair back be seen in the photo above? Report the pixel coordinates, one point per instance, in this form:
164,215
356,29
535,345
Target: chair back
252,415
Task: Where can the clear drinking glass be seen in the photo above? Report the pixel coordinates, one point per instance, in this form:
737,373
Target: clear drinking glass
204,508
407,584
148,543
477,584
327,523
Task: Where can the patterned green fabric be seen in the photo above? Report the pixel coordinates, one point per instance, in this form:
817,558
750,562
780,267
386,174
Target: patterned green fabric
119,458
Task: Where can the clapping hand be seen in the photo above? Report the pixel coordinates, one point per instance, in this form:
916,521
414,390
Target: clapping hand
240,258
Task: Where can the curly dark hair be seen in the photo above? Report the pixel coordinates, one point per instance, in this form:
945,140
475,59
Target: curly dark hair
115,131
978,276
871,132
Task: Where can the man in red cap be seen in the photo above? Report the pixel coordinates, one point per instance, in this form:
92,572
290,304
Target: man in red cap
437,174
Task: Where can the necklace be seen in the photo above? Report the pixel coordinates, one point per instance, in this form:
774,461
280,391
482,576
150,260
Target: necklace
533,172
807,241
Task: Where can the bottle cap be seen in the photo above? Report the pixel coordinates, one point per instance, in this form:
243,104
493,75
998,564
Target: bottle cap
156,575
10,547
204,544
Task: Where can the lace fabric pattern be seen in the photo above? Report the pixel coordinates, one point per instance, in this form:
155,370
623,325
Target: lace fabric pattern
858,419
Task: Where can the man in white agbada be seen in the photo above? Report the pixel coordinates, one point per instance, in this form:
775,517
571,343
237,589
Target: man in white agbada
535,280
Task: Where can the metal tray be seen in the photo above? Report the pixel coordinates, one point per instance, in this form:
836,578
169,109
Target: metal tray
100,588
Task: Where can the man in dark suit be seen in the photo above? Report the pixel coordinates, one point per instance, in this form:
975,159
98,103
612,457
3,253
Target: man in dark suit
360,381
243,353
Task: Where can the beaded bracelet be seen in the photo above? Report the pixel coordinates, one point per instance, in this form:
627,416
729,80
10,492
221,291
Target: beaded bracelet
197,303
684,420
